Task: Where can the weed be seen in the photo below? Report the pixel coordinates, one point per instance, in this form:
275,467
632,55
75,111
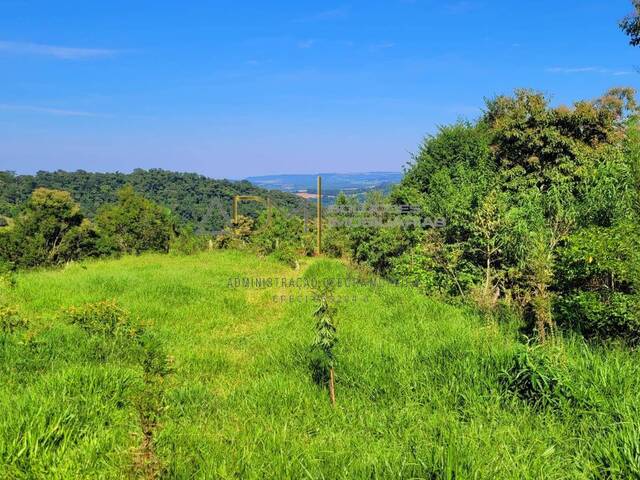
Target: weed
11,321
102,318
537,378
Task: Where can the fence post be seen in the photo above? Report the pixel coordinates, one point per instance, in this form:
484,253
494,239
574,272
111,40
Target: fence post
319,219
235,209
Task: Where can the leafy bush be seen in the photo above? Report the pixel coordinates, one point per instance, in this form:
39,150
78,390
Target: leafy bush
187,242
336,243
599,285
436,267
83,241
135,224
286,254
277,230
308,242
50,230
155,360
102,318
541,203
8,277
236,235
11,321
377,248
602,315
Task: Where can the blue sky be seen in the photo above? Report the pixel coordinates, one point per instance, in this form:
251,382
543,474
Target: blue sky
238,88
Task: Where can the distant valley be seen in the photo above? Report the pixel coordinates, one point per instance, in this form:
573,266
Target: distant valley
332,183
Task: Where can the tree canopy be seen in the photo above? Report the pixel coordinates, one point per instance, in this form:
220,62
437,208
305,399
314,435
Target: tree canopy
631,24
194,199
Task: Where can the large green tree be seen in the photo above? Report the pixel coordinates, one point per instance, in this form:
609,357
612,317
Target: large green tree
134,224
540,203
50,229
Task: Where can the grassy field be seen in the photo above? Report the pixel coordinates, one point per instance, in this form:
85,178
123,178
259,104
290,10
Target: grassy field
424,390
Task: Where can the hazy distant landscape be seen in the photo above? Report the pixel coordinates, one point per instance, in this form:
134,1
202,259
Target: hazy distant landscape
332,183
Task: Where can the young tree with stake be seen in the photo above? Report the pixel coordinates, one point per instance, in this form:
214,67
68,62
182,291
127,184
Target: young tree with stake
326,337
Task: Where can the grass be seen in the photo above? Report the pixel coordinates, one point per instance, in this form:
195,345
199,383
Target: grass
424,390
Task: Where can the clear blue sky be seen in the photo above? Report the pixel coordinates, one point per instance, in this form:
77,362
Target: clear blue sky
238,88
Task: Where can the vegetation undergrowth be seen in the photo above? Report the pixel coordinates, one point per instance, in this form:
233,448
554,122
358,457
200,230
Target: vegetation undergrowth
424,390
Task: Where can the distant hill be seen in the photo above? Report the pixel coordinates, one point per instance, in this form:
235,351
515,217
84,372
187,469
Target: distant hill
332,183
204,202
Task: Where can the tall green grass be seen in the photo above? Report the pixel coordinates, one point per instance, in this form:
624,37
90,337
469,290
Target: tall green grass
424,390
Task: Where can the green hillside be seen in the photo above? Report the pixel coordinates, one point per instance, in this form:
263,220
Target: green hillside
424,390
196,199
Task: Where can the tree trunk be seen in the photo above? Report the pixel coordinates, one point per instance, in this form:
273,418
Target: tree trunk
487,282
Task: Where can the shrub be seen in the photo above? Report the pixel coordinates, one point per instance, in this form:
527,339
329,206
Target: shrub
135,224
377,248
540,203
602,314
187,242
102,318
279,230
436,267
287,255
7,275
335,243
155,361
80,242
47,232
237,235
537,378
599,291
10,321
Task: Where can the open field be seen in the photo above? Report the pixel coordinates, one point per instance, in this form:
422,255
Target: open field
421,386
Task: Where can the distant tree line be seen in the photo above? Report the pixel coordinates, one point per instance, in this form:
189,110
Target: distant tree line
195,200
51,218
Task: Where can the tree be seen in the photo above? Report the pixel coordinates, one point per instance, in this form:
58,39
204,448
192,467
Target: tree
489,230
631,24
326,340
536,200
50,230
135,224
194,199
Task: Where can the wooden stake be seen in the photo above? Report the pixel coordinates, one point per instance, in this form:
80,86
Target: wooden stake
332,387
235,209
305,216
319,219
268,211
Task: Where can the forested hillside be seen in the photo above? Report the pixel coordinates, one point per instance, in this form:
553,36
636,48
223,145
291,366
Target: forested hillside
193,198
